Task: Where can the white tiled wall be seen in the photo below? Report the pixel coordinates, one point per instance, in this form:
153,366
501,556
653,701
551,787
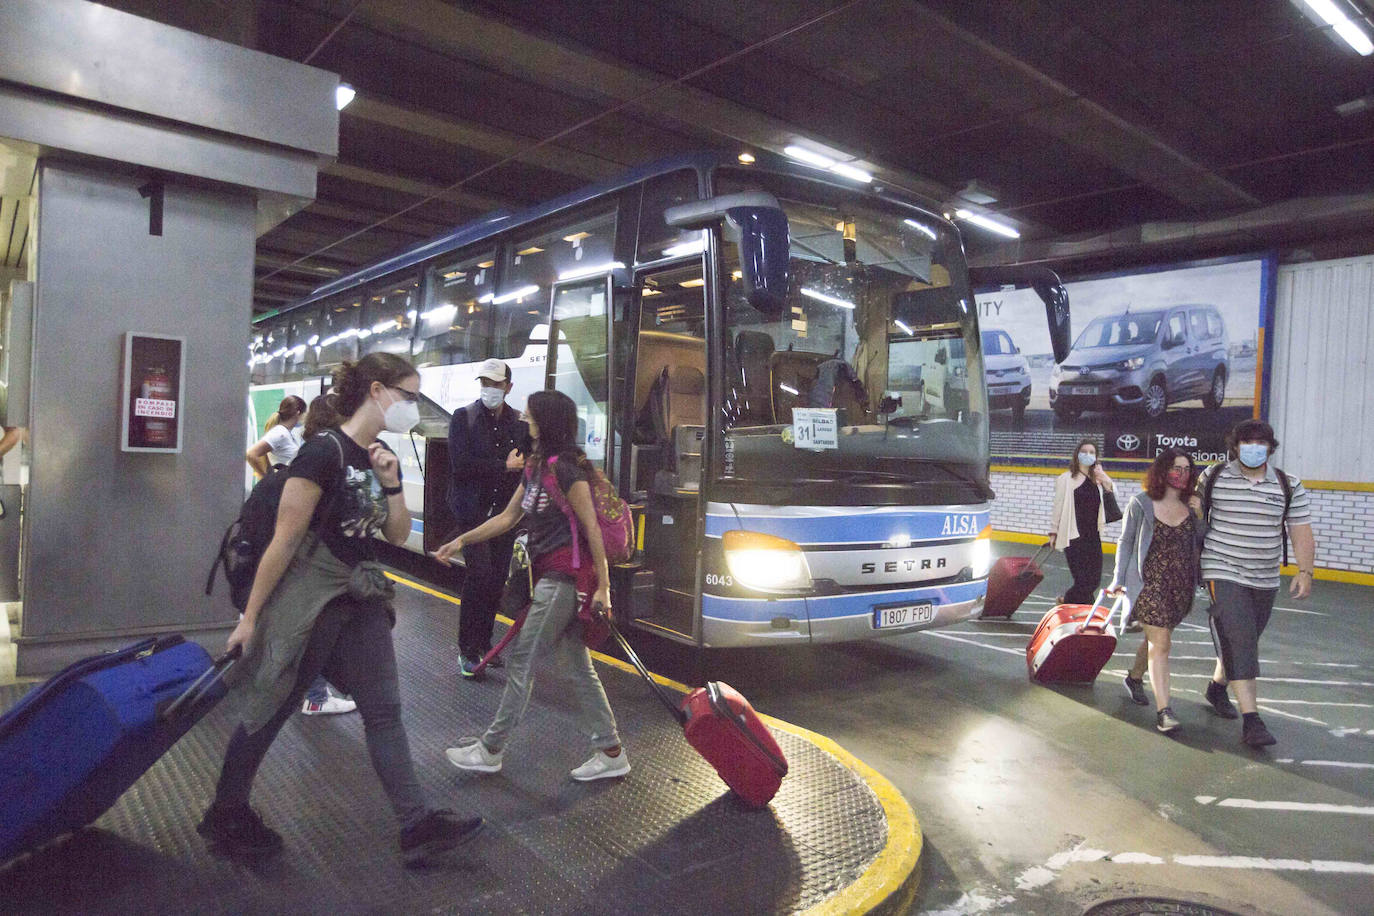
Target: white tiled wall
1342,520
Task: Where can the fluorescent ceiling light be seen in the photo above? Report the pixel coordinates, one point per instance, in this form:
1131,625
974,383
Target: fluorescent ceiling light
802,154
746,158
685,248
788,388
688,284
591,271
849,171
314,340
440,313
1341,25
382,327
343,95
921,228
821,161
520,293
989,224
902,324
822,297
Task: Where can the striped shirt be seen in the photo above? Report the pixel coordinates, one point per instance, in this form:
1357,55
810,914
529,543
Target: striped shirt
1244,542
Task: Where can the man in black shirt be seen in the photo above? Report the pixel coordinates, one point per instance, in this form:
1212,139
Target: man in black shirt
482,453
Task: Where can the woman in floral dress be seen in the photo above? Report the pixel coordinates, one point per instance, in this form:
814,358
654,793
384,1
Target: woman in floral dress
1156,568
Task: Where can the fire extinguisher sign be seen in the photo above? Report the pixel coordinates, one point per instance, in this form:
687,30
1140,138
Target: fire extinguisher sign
153,390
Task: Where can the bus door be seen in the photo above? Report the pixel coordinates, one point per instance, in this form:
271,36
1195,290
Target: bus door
662,448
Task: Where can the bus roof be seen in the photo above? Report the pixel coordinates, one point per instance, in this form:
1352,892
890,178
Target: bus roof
498,221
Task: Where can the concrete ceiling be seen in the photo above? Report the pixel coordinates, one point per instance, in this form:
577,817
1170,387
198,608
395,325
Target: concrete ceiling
1115,132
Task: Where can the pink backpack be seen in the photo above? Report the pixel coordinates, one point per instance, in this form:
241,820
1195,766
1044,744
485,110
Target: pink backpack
612,516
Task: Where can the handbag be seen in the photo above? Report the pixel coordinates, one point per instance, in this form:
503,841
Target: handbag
1110,510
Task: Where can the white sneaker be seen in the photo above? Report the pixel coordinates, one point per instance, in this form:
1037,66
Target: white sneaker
602,766
472,755
330,707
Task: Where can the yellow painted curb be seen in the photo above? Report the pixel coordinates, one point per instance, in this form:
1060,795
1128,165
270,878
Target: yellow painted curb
1330,575
889,875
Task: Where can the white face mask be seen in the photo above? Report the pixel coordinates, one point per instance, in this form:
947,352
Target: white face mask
400,416
1087,459
492,397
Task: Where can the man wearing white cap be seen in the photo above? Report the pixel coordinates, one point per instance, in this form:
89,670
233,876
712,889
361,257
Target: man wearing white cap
485,466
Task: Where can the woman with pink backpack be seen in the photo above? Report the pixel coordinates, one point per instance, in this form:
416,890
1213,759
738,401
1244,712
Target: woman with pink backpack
568,555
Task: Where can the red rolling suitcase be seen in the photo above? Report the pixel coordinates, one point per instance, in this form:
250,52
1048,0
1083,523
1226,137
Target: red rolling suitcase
723,728
1011,580
1072,643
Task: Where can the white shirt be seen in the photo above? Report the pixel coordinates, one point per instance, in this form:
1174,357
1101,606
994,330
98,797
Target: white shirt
284,444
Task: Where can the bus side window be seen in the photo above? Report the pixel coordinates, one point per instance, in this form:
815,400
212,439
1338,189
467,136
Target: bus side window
455,324
389,318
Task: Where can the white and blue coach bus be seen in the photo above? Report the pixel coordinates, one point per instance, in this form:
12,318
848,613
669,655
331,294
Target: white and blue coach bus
779,367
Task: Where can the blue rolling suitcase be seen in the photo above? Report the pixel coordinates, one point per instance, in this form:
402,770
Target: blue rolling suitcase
71,746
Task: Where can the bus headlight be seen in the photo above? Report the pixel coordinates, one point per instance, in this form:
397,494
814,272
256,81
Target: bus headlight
981,554
765,562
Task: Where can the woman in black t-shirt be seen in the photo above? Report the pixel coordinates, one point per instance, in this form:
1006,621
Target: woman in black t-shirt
569,566
320,605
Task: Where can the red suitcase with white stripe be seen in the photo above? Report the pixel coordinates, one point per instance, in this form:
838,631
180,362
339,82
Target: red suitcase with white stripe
1011,581
721,726
1073,642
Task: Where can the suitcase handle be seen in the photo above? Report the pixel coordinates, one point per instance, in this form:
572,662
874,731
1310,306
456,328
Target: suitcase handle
1120,601
208,678
1036,559
599,612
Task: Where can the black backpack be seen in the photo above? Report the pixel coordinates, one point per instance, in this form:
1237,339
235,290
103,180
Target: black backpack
246,540
1285,484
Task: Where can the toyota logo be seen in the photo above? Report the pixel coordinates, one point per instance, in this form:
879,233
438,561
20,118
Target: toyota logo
1128,442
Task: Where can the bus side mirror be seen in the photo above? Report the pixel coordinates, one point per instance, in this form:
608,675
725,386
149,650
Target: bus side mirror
755,222
1047,286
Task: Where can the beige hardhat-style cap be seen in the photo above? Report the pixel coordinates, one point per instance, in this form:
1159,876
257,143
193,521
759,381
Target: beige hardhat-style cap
494,369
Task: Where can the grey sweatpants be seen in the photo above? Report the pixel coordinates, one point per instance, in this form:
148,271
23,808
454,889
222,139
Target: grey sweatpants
350,645
551,629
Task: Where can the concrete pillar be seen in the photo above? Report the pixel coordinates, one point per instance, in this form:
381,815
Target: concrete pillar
116,544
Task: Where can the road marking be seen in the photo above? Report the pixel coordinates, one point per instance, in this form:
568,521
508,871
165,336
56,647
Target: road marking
1264,805
1347,732
1213,658
974,642
1298,610
972,902
1317,703
1289,680
1344,764
1040,875
1262,864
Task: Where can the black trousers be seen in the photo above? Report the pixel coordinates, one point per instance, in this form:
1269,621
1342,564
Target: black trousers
484,578
1084,555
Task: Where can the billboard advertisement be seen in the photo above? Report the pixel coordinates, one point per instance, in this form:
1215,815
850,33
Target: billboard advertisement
1169,356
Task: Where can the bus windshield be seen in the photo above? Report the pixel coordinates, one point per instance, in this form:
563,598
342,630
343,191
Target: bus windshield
872,375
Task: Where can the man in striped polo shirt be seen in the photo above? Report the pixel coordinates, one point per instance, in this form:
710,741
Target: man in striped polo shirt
1240,563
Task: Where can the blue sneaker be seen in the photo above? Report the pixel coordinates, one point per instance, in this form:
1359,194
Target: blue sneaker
467,667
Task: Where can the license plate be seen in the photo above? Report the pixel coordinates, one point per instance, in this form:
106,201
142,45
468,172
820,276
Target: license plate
1082,389
903,615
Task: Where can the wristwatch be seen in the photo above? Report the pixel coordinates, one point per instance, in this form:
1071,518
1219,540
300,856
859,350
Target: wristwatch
391,491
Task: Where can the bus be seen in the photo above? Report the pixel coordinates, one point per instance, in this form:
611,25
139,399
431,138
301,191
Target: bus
780,368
